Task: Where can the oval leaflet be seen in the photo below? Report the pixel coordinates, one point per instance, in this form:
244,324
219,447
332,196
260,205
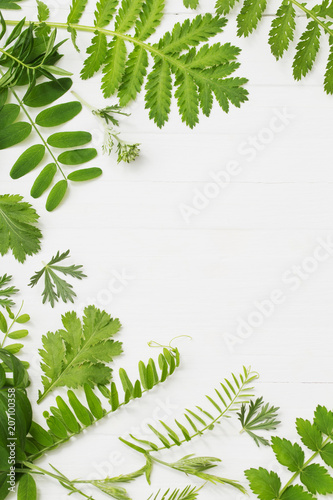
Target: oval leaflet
59,114
27,161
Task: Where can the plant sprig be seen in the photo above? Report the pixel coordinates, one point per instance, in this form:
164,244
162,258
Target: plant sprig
258,416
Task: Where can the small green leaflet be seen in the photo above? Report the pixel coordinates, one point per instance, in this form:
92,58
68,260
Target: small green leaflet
310,434
324,420
188,493
57,288
266,485
258,416
58,114
79,353
288,454
7,292
43,11
18,227
27,489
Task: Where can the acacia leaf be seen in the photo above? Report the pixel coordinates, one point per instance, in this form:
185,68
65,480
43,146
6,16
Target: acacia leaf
27,161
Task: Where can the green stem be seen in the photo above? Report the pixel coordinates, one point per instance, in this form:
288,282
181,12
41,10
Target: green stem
38,132
313,16
11,326
295,476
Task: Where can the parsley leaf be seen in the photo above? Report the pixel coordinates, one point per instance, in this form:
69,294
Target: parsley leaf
258,417
77,354
18,230
57,288
6,294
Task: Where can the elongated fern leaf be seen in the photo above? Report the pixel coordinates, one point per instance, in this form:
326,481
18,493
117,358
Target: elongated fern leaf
228,398
72,416
283,30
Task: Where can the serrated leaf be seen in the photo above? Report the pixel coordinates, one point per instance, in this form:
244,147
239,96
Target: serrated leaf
69,139
327,454
127,14
324,420
296,493
28,161
114,68
310,434
43,11
47,92
135,71
7,293
283,28
288,454
77,156
79,352
187,99
306,50
58,114
266,485
85,174
150,18
223,7
316,479
328,82
56,195
105,10
18,230
158,92
43,181
191,4
248,18
76,11
98,52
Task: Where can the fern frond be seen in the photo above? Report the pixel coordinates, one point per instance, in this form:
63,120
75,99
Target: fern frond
283,28
114,67
150,18
72,416
97,51
135,71
306,50
228,398
105,10
127,15
249,16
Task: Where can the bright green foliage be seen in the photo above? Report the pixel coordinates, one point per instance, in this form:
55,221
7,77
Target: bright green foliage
7,292
188,493
10,4
196,78
192,4
317,437
18,227
27,489
56,288
258,416
79,353
43,11
283,30
228,397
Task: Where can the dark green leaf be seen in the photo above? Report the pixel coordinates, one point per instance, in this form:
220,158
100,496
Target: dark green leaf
69,139
77,156
85,174
84,416
56,195
8,114
56,115
94,403
27,161
14,134
27,489
40,435
43,181
316,479
296,493
47,92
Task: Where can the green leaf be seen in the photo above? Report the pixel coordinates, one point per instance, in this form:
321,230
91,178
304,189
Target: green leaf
55,287
14,348
114,67
69,139
105,10
288,454
56,195
76,11
125,381
94,403
98,52
324,420
18,334
135,71
14,134
85,174
40,435
43,181
296,493
77,156
3,323
59,114
43,11
283,28
57,427
6,294
3,96
8,114
9,4
191,4
47,92
81,411
18,230
150,18
127,15
27,161
328,82
259,416
306,50
250,15
310,434
316,479
158,95
77,355
187,98
27,489
24,318
266,485
67,416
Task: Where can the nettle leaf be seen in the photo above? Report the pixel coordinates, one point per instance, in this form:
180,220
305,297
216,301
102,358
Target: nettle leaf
59,114
316,479
18,230
47,92
27,161
55,287
77,355
288,454
266,485
310,434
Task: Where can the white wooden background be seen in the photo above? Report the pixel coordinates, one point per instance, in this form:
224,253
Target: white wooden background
203,277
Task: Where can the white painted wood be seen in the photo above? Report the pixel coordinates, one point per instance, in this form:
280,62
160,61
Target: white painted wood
203,277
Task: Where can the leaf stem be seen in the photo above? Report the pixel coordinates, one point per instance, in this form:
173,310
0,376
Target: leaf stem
311,14
11,326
